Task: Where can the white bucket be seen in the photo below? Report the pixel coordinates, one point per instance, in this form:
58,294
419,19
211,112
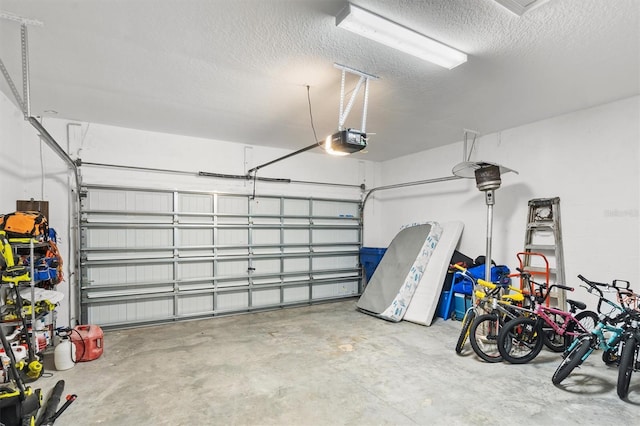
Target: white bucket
64,355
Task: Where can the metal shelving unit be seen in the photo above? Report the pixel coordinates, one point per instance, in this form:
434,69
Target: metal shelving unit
30,248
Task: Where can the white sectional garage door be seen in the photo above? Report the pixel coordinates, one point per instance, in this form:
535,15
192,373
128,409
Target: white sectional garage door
151,256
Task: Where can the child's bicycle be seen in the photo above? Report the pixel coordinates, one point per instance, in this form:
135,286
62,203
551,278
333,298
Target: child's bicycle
490,295
629,354
498,309
520,340
615,323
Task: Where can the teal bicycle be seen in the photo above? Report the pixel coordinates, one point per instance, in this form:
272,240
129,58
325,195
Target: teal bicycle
611,323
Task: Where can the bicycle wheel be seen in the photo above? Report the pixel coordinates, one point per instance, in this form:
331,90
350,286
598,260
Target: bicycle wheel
484,337
627,365
520,340
610,357
572,360
551,339
587,320
469,316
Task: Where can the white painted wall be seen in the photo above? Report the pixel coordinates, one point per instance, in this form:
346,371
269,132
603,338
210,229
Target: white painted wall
12,139
589,158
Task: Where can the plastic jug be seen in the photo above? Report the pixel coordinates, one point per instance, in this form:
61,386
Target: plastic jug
64,355
88,341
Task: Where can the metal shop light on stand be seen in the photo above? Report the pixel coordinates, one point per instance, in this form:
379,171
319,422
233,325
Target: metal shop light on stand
487,176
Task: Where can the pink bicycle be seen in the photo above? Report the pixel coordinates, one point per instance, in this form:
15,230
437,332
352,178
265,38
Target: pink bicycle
521,339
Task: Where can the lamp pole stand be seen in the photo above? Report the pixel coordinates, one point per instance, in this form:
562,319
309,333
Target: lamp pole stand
487,176
489,198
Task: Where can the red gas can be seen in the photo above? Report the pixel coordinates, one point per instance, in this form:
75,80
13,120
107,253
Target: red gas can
88,340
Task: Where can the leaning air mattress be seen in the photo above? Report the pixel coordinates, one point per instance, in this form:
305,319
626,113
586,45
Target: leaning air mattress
425,299
393,283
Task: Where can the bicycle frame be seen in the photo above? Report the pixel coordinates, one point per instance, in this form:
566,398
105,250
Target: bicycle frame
492,294
480,297
601,340
568,318
603,326
542,310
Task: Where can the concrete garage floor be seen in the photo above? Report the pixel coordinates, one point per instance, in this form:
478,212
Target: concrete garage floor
325,365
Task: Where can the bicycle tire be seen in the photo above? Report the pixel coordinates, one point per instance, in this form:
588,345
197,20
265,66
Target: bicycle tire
520,340
484,337
572,360
552,340
627,365
469,316
610,356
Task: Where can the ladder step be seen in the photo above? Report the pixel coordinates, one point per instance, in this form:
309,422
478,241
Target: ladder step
544,202
540,247
540,225
540,270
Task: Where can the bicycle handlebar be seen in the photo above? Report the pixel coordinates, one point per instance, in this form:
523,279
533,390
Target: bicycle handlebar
592,285
621,286
563,287
626,284
460,267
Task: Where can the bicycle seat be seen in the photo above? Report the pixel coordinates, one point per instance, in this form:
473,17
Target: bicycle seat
576,304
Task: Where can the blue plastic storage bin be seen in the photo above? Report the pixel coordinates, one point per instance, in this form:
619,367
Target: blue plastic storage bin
496,271
370,257
445,305
462,302
462,283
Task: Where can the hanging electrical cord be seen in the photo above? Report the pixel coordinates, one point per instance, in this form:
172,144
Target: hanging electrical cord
315,136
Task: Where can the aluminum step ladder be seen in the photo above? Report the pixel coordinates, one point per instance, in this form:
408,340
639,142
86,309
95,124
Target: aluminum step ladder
543,236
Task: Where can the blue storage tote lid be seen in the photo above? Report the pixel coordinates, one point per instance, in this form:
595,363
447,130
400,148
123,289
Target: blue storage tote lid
372,251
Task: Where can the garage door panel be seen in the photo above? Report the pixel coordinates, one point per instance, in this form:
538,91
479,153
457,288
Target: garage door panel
195,237
333,290
233,237
230,204
266,236
195,304
296,294
191,270
130,312
153,255
335,262
266,297
233,301
195,203
127,274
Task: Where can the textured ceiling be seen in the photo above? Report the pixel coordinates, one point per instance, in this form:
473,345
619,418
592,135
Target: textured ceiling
236,70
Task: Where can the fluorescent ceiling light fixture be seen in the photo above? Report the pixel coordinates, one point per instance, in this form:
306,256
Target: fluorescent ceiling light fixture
375,27
345,142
